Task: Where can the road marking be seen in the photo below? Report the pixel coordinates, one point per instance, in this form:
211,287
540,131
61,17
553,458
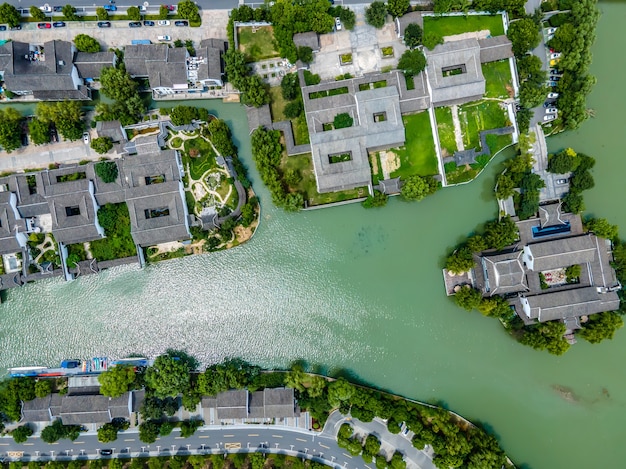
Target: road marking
253,434
129,439
346,454
4,444
78,442
203,436
178,437
28,444
302,439
232,445
277,436
229,436
324,446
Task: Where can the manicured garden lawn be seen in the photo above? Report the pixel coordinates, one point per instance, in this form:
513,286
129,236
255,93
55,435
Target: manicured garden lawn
450,25
259,45
203,162
498,142
300,130
418,154
307,187
477,116
445,128
497,79
277,104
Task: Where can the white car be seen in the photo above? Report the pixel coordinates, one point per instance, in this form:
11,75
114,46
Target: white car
549,117
552,110
46,8
338,24
163,23
86,138
553,95
164,38
551,30
555,55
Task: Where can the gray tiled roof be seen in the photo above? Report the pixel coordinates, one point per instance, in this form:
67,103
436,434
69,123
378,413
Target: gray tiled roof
232,405
257,407
279,403
562,252
461,87
90,65
550,214
76,410
37,410
210,66
504,273
111,129
495,48
136,56
309,39
10,223
570,303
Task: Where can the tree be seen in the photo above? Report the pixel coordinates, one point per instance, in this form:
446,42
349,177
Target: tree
468,298
573,202
67,116
524,35
56,431
397,8
601,326
602,228
117,84
168,376
255,92
413,35
134,14
149,431
581,181
293,109
379,199
107,171
376,14
572,273
340,391
102,14
39,132
505,186
500,233
529,66
21,434
119,379
305,54
163,12
189,10
10,129
101,145
347,17
107,433
189,427
85,43
563,162
546,336
417,187
10,15
290,86
69,11
372,445
343,120
412,62
37,14
43,388
531,95
432,39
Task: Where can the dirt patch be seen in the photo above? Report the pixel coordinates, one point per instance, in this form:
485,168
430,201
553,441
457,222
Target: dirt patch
242,233
198,191
232,98
510,91
374,164
389,162
484,34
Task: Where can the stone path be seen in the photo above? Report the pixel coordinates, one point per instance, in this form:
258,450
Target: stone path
458,134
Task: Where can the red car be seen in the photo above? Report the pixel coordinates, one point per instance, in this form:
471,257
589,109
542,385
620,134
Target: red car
44,25
170,7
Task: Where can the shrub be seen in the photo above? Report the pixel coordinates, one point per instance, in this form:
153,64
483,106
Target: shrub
343,120
101,145
106,170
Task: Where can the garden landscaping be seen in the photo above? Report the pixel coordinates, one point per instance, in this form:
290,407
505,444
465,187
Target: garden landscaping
257,43
498,79
417,156
451,25
445,128
480,115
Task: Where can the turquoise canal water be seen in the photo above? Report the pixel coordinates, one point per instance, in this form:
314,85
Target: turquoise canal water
363,290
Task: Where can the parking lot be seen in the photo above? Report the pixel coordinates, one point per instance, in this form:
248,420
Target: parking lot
214,24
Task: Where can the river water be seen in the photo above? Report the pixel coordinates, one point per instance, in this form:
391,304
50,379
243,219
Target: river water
363,290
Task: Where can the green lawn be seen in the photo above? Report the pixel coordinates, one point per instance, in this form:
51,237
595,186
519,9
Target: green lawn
377,170
300,130
450,25
307,187
418,155
498,142
205,160
259,45
445,127
477,116
497,79
277,104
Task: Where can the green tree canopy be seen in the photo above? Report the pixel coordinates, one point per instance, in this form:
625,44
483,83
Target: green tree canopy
36,13
102,14
10,15
417,187
255,92
39,132
168,376
85,43
602,228
107,433
398,8
134,14
10,131
500,233
563,162
43,387
119,379
340,391
107,171
573,202
412,62
163,12
189,10
293,109
305,54
343,120
581,181
460,260
101,145
21,433
69,11
413,35
524,35
117,84
290,86
379,199
149,431
376,14
468,298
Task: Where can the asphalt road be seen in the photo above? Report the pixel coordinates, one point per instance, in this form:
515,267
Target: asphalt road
226,439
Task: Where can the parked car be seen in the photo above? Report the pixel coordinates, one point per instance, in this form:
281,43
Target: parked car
561,181
46,8
551,30
110,7
554,62
181,23
552,110
553,95
16,28
134,24
170,7
338,24
86,138
552,83
3,28
548,104
59,24
148,23
549,117
44,25
104,24
106,452
163,23
164,38
57,9
555,55
143,8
